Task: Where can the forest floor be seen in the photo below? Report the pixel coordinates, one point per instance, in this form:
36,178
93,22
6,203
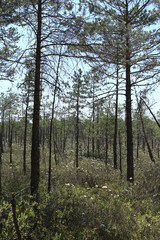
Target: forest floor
92,202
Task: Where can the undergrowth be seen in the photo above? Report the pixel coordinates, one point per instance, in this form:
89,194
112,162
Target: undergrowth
93,202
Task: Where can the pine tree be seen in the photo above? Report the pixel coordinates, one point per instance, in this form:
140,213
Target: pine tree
123,23
76,104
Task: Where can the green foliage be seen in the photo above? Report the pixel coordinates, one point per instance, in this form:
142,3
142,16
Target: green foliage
92,202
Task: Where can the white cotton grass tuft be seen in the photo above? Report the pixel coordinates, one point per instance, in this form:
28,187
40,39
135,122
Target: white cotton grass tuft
104,187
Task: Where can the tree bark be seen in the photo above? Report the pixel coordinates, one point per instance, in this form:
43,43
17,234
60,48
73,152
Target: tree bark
77,128
116,119
35,151
10,142
106,141
97,133
120,153
2,130
25,136
93,123
130,168
88,141
51,126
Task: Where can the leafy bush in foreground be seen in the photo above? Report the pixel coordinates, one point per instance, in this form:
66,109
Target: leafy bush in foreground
92,203
72,212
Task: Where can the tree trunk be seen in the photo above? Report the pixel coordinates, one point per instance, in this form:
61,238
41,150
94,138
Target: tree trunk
43,130
10,142
97,133
145,135
130,168
35,152
116,119
151,112
120,153
88,142
1,143
2,131
77,129
25,136
106,142
51,126
138,144
93,123
64,136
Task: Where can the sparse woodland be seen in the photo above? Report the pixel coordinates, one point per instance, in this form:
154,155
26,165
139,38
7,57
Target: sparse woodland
79,136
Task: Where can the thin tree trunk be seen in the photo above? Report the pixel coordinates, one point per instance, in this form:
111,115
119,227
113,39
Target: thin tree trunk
93,127
55,143
43,130
77,130
106,142
64,136
145,135
116,119
25,136
10,142
35,152
9,130
97,133
2,131
130,167
1,142
51,125
143,128
138,144
151,112
88,142
120,153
